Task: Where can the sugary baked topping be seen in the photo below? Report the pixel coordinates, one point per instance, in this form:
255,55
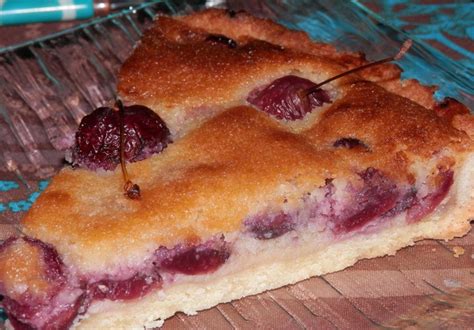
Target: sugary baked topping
31,270
98,137
283,99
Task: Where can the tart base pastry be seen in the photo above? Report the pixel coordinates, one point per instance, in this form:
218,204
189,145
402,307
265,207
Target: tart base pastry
262,185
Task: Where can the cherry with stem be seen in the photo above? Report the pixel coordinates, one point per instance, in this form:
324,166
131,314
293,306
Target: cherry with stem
131,190
405,47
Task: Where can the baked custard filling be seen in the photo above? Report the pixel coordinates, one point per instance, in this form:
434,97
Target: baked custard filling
42,292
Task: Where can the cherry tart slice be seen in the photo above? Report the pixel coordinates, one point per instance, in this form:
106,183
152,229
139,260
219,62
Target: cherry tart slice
265,187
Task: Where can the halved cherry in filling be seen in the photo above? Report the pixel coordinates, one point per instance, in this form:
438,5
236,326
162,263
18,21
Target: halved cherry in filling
192,260
25,317
377,196
98,137
135,287
424,205
284,98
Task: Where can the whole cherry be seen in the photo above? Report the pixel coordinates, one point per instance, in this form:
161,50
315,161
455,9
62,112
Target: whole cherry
97,142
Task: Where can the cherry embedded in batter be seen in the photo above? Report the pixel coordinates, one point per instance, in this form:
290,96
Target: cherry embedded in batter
221,39
135,287
282,98
269,226
350,143
424,205
292,97
192,260
377,196
23,316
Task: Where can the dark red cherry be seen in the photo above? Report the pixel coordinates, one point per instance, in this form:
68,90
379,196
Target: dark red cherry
98,137
41,317
269,225
192,260
292,97
426,204
135,287
377,196
284,98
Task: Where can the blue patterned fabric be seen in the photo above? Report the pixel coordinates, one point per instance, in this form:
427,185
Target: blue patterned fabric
24,204
426,22
352,25
453,19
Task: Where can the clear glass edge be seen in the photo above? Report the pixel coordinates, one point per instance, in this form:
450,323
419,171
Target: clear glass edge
91,22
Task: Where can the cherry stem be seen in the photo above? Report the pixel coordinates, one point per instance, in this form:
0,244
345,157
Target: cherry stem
131,189
405,47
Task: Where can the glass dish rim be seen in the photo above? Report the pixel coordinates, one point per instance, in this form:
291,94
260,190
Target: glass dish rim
356,4
86,24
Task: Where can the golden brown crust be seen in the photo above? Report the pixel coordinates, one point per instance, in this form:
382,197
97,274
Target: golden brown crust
464,123
179,74
209,181
241,25
177,66
387,122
